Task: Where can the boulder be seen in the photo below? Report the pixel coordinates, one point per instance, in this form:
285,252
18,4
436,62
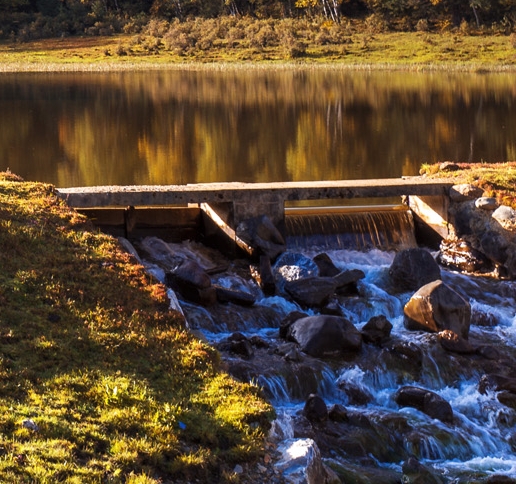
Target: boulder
346,281
377,330
464,192
262,234
311,291
192,282
325,336
426,401
226,295
315,409
326,266
292,266
436,307
412,269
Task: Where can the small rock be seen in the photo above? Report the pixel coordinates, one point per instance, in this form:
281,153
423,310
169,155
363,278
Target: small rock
486,203
449,166
238,469
464,192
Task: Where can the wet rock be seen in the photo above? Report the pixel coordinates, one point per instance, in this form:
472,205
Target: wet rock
416,473
451,341
412,269
189,272
500,479
315,409
333,308
326,266
464,192
291,266
488,352
267,283
237,344
436,307
337,413
482,318
357,395
461,256
311,291
325,336
497,383
225,295
426,401
377,330
507,398
346,281
301,463
287,321
262,234
486,203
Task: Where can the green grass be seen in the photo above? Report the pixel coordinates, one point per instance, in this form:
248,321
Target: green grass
89,351
498,180
340,46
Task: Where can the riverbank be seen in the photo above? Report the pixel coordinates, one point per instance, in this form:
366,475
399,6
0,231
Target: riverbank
447,51
101,381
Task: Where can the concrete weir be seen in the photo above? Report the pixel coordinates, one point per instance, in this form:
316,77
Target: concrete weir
222,206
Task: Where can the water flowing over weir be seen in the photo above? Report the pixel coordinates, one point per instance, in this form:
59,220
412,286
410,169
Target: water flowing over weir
361,228
369,438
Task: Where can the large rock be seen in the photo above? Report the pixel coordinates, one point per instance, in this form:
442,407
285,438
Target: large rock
426,401
436,307
325,336
311,291
412,269
261,233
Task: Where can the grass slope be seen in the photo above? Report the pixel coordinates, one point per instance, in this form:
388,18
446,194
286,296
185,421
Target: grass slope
99,381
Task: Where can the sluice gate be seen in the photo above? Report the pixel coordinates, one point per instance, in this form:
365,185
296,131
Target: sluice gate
214,210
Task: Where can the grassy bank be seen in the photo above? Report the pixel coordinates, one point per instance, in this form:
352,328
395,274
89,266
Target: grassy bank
498,180
337,46
99,380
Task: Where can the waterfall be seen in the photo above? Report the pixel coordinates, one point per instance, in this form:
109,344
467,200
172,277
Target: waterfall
329,228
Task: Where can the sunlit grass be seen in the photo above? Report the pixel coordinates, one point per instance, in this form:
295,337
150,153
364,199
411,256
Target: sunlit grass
99,381
498,180
358,49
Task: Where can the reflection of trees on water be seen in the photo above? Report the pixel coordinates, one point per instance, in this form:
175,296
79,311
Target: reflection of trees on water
186,126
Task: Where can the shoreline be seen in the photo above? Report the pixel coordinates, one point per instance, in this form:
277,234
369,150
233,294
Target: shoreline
95,66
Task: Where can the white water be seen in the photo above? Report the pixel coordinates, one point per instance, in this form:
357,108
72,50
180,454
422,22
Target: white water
479,439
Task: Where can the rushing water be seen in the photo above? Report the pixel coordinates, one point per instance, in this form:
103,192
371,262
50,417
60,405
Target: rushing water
250,125
478,444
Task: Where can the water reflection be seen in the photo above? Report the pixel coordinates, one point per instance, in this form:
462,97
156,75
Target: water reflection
168,127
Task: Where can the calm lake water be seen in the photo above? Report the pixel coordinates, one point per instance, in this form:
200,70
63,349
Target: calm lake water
177,127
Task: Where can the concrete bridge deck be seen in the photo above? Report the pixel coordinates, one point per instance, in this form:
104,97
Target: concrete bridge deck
222,206
236,192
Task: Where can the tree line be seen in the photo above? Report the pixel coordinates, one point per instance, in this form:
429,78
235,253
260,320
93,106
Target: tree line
28,19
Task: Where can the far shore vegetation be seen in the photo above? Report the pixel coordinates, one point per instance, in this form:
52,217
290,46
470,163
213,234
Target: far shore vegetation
473,35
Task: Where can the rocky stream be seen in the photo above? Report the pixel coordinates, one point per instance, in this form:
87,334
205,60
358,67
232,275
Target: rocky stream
385,364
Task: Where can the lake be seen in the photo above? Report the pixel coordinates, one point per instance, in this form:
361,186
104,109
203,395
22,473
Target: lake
255,125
